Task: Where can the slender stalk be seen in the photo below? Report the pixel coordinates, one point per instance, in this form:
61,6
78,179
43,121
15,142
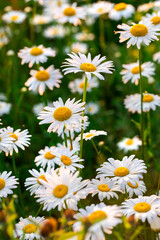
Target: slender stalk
82,129
14,165
158,185
32,25
102,33
149,128
70,138
94,145
145,232
39,210
141,93
65,137
44,99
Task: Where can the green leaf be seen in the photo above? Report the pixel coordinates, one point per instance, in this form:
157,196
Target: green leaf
137,124
136,233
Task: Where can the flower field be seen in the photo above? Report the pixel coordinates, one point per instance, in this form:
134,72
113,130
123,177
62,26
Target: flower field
80,120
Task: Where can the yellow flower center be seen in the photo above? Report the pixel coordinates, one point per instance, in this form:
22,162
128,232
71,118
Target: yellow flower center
49,155
82,84
2,183
88,67
131,185
0,139
62,113
60,191
54,31
42,75
135,70
155,20
103,188
148,98
43,178
139,30
66,160
69,11
121,171
13,135
36,51
97,216
89,135
142,207
120,6
14,18
30,228
2,35
100,10
129,142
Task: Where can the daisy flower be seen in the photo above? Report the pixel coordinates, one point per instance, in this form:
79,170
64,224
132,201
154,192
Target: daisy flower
84,36
155,224
143,208
68,159
131,71
62,115
4,108
75,145
14,17
80,63
129,144
143,32
104,187
156,57
61,189
46,157
145,7
127,170
30,226
101,218
37,108
43,78
55,32
99,8
41,19
5,140
33,183
133,102
70,13
20,139
78,85
138,189
35,54
121,10
91,134
7,183
77,47
154,18
92,108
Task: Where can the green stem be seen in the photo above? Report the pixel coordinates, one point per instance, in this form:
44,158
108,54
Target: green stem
145,232
141,93
82,129
14,165
39,210
102,33
44,99
158,185
65,137
70,138
149,129
94,145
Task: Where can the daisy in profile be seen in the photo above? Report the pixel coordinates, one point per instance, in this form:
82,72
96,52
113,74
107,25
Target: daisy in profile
121,10
75,145
78,85
43,78
92,108
46,157
70,13
61,189
127,170
4,108
80,63
62,115
131,72
55,32
37,108
77,47
104,187
129,144
14,17
156,57
133,102
7,183
100,218
143,32
138,189
30,226
154,18
68,159
20,139
41,19
91,134
145,7
143,208
5,140
155,225
33,183
36,54
84,36
99,8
